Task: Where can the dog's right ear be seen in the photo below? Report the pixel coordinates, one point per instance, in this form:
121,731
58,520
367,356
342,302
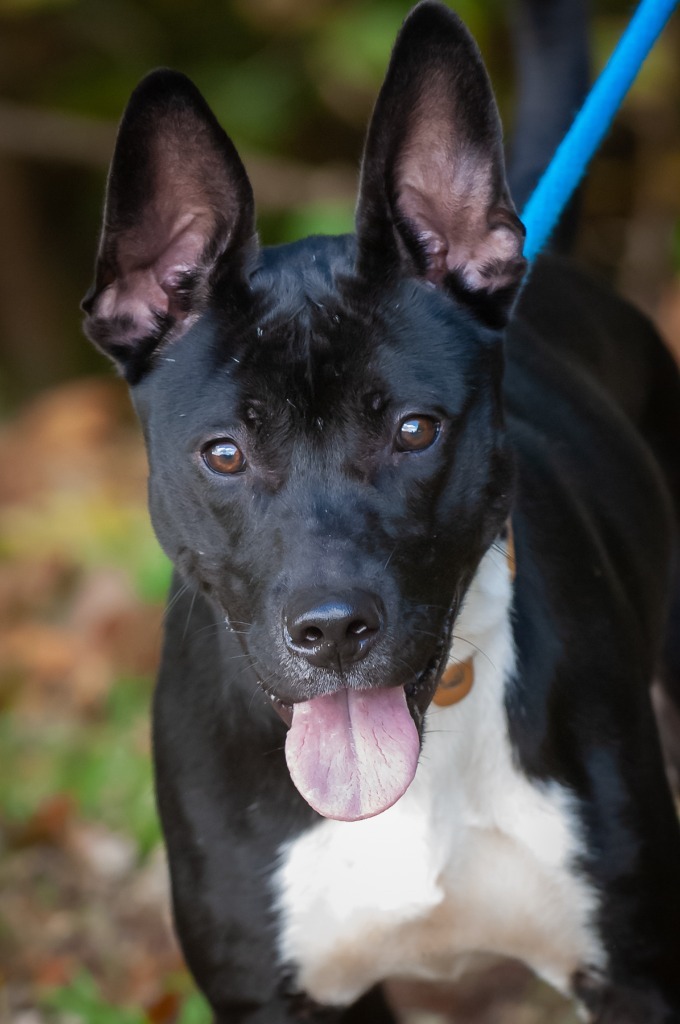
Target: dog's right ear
433,200
179,209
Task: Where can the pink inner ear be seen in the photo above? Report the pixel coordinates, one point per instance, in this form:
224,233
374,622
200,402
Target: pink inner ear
452,193
460,230
190,201
153,259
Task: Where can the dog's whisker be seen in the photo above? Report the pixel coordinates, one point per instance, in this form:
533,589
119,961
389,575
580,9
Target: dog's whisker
174,599
189,614
476,647
211,628
390,557
426,632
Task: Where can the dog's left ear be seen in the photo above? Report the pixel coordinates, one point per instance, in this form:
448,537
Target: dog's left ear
433,199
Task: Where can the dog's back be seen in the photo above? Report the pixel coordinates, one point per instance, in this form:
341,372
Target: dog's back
590,329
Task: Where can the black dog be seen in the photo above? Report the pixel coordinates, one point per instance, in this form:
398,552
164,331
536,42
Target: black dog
339,464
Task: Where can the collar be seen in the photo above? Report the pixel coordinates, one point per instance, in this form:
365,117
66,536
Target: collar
459,676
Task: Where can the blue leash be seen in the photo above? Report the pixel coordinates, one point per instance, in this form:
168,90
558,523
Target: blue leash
591,123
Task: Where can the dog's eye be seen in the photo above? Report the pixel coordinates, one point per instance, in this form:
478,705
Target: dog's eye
224,457
416,433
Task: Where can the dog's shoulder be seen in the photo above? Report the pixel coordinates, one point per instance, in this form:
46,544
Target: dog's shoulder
584,327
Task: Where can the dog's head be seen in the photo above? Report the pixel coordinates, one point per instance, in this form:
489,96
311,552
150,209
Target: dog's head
324,419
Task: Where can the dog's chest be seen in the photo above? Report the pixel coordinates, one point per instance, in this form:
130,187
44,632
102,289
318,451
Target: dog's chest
473,858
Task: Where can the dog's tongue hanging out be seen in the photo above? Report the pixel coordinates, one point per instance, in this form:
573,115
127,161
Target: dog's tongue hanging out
352,754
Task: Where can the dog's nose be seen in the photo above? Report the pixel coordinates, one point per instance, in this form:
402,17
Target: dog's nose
333,629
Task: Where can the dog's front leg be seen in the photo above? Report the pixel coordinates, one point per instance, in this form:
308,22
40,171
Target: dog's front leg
621,1004
278,1010
287,1008
228,809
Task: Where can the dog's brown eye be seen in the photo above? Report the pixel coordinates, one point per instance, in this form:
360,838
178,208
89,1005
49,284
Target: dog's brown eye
224,457
416,433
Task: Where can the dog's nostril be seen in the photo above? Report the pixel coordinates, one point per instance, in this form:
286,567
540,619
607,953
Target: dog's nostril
357,627
312,635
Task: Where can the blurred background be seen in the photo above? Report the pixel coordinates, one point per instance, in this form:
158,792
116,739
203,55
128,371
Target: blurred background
84,933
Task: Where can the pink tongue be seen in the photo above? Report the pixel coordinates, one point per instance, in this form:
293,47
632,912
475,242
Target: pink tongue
353,753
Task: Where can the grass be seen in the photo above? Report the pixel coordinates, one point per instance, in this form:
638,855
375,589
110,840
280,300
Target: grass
81,1001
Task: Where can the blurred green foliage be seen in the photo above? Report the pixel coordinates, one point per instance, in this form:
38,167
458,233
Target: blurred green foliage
82,1003
676,246
105,767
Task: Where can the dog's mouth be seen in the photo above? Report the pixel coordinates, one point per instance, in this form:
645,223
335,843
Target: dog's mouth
353,753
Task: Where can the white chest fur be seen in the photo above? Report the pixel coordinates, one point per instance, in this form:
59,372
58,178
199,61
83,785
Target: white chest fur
473,858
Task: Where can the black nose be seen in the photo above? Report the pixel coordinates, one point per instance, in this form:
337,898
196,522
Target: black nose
332,629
